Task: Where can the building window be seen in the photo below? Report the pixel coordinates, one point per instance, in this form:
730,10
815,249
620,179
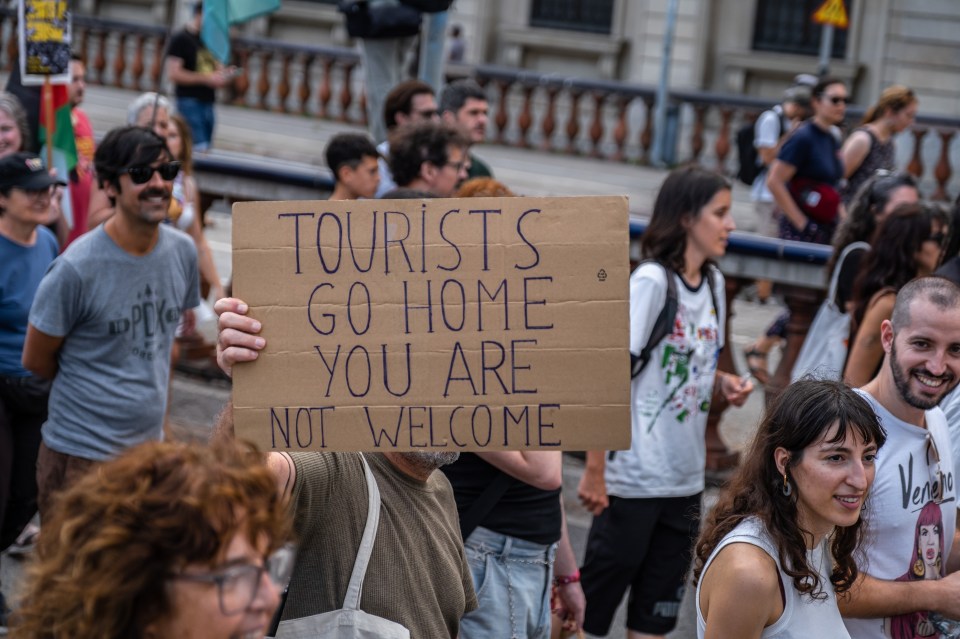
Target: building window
595,16
787,26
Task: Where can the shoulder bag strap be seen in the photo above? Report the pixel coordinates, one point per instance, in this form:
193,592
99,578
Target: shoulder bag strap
835,277
352,600
483,504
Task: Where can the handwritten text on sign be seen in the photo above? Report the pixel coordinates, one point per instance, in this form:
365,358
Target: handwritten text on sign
470,324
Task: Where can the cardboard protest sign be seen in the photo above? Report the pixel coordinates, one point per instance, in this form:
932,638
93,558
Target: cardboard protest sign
458,324
44,39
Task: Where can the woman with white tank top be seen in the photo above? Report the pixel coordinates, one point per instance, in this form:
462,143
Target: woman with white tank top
781,541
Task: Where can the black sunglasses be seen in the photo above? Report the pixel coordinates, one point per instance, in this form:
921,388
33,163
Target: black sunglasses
836,99
142,174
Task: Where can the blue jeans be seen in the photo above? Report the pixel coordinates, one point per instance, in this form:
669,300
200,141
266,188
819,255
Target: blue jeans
199,115
512,578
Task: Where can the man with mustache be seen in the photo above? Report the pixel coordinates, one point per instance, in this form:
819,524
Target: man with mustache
905,582
418,575
103,321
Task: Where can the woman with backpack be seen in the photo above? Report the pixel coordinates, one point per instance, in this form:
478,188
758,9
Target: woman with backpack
908,244
870,147
646,500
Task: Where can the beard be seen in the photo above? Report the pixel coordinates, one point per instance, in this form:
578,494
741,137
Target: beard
429,461
901,380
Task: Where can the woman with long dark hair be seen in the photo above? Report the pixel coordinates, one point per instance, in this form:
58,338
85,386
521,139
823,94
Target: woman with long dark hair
653,491
907,245
874,202
782,541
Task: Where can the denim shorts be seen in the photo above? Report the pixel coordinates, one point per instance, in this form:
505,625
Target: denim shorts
199,115
512,578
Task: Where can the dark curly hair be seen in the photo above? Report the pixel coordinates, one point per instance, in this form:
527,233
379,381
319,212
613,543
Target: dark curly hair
861,221
802,415
412,146
892,258
104,559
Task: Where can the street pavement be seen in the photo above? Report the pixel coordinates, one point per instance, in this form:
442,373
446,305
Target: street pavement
195,401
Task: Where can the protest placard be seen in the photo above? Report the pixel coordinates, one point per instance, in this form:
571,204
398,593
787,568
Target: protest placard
44,39
464,324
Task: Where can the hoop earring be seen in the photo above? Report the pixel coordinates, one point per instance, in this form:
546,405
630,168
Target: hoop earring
787,488
919,568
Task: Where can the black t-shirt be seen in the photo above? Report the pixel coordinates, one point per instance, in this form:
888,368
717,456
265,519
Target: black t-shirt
524,512
188,47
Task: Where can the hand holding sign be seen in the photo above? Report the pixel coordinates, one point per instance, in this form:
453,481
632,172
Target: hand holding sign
237,339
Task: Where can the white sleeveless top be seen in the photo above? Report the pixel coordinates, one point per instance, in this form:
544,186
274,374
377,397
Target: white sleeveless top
803,616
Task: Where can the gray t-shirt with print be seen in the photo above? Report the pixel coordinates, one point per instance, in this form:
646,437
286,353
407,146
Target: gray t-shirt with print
117,314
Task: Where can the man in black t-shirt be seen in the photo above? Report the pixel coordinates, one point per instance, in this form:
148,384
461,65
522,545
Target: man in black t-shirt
514,536
196,75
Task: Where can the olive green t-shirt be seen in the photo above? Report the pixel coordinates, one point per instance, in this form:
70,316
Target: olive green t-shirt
418,574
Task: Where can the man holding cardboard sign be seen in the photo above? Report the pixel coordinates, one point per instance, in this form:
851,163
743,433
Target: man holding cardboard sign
419,329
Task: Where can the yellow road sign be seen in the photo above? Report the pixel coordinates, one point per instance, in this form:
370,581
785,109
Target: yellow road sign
832,12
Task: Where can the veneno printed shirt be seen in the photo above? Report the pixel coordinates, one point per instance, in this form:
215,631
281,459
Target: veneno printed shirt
911,515
671,397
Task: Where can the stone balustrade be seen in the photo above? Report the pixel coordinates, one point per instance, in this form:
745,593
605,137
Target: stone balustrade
603,119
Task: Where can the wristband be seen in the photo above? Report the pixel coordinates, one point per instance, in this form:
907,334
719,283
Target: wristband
565,580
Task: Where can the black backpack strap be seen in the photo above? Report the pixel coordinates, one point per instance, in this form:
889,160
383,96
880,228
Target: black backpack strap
711,277
663,325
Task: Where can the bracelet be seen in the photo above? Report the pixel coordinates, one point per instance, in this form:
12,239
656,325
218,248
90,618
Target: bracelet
565,580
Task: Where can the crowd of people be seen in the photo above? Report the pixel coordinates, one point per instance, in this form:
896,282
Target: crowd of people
840,520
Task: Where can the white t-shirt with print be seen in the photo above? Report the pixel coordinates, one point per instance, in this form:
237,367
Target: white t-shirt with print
670,399
907,529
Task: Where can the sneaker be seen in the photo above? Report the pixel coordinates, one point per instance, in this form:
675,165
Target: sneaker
25,543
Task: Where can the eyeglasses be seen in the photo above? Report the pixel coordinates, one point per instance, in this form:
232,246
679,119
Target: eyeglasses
937,477
458,166
142,174
836,99
237,586
428,114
